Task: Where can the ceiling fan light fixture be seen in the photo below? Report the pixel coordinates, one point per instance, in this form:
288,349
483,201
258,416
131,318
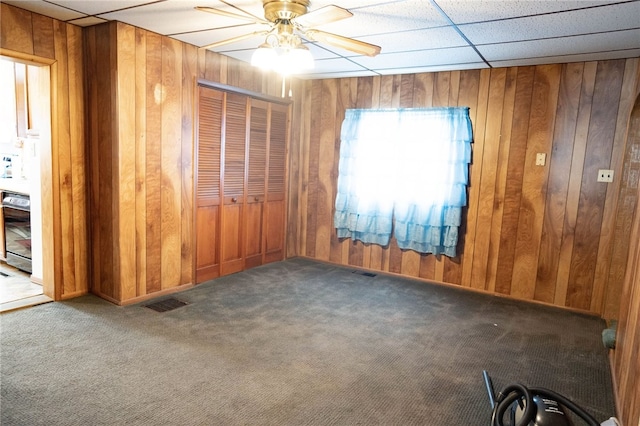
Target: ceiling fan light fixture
301,55
288,21
285,55
264,56
293,61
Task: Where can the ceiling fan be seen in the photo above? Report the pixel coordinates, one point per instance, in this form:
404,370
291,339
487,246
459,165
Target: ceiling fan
287,21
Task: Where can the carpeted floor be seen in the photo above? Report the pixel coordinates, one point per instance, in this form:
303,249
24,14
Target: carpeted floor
293,343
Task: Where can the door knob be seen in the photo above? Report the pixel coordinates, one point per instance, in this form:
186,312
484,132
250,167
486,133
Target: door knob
234,200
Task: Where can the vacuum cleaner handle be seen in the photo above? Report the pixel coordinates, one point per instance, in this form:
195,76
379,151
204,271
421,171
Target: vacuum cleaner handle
506,397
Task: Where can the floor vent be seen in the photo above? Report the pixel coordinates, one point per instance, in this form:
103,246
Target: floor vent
366,274
165,305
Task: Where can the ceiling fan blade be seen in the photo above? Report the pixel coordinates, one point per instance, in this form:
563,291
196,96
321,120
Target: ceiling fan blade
235,39
324,15
354,45
221,12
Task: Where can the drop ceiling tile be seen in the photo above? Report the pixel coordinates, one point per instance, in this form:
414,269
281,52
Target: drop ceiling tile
341,64
242,55
454,55
351,5
204,37
431,38
387,18
47,9
588,21
98,7
605,42
600,56
321,51
177,17
488,10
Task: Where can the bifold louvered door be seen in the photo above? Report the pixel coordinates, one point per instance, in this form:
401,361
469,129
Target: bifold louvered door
275,210
240,182
233,183
256,183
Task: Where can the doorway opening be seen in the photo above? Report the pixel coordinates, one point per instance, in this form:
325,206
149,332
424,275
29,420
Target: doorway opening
25,149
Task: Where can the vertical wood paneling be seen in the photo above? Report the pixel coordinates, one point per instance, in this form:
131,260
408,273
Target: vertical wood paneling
101,149
515,174
124,181
42,40
92,91
326,182
575,179
189,70
608,230
305,148
294,219
140,159
16,30
153,161
171,163
475,175
77,158
501,180
490,160
65,199
592,194
559,173
313,169
541,124
521,235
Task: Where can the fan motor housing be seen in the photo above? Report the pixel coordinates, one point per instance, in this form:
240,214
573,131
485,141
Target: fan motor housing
284,10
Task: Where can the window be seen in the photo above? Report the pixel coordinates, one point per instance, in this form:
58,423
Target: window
406,171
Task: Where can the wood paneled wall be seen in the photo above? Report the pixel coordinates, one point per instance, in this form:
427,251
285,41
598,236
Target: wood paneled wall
626,357
48,42
545,233
141,89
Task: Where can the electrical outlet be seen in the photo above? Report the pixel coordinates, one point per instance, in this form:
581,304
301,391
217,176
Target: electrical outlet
605,175
541,159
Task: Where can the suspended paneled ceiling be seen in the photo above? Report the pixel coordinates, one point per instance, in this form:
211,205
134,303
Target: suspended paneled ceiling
415,35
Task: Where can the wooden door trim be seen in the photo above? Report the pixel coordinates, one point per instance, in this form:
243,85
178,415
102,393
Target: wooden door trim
52,285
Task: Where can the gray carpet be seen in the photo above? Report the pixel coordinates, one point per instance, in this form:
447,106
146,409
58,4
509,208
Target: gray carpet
294,343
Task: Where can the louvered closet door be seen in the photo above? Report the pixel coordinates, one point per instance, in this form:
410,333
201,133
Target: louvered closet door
275,210
256,183
209,125
233,184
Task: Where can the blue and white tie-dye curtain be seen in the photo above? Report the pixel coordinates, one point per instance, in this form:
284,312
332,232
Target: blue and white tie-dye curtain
364,202
381,152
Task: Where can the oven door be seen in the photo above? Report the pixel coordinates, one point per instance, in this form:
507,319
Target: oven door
17,234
